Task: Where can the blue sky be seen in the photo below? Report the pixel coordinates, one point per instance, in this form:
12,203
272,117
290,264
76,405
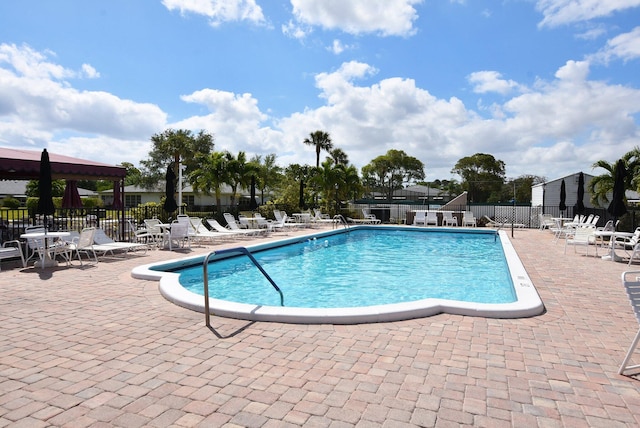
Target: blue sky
547,86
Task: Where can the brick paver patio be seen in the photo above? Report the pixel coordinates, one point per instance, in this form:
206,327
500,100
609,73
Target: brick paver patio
93,347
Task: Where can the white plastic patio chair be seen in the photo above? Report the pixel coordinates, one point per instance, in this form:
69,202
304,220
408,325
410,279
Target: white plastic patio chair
631,283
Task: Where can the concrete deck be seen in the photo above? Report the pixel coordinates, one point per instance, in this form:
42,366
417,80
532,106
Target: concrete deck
93,347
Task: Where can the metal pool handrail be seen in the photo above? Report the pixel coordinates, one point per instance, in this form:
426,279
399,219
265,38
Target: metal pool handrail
341,219
205,269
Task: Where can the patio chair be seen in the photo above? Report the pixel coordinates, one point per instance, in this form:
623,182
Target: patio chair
448,219
631,283
179,234
105,245
225,232
83,244
468,219
420,219
431,218
546,221
582,236
12,249
371,218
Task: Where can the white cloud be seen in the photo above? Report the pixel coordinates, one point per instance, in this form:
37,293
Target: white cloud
39,105
337,47
560,12
90,72
625,46
219,11
384,17
491,81
560,125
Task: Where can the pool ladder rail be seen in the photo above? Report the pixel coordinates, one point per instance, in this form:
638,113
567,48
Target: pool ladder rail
240,250
339,219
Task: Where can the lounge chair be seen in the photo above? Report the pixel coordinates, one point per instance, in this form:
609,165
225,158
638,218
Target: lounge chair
431,218
215,225
201,232
318,217
103,245
233,225
631,283
83,244
371,218
283,220
468,219
12,249
420,218
448,219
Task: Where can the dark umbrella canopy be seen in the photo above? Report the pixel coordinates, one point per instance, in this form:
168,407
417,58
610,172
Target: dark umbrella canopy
45,197
170,204
117,196
579,207
617,208
252,203
301,201
563,196
71,197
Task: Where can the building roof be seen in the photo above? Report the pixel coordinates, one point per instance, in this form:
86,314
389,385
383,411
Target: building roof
18,164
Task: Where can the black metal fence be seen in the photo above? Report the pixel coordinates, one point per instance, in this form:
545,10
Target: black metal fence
14,221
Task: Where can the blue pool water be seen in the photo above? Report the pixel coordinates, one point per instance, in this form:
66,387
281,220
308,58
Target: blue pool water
363,268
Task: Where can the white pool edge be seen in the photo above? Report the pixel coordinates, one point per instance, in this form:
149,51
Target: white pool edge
527,304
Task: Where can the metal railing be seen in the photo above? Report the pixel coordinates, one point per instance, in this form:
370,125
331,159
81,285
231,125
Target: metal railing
205,269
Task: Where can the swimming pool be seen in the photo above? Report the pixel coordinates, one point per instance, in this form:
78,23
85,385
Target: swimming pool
397,282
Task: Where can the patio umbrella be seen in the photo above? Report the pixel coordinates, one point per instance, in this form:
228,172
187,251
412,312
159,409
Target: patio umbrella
117,196
617,208
170,204
579,207
563,196
71,197
301,201
252,203
45,199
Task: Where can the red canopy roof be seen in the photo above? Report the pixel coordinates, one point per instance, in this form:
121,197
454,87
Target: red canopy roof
18,164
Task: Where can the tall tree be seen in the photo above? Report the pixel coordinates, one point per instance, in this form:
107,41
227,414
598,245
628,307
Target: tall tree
269,174
321,141
391,172
482,176
239,173
338,156
210,175
601,186
178,146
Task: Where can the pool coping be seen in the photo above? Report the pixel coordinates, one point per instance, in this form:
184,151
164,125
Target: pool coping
527,304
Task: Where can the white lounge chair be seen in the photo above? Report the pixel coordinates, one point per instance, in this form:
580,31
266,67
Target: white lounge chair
468,219
12,249
431,218
420,218
103,245
215,225
631,283
448,219
371,218
84,244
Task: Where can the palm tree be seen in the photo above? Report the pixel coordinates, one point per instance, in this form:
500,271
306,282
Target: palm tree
211,175
321,141
239,173
602,185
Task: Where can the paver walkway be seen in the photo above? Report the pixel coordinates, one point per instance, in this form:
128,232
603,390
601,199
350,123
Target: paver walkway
93,347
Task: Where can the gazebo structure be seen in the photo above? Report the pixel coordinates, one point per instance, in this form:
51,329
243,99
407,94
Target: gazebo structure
19,164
